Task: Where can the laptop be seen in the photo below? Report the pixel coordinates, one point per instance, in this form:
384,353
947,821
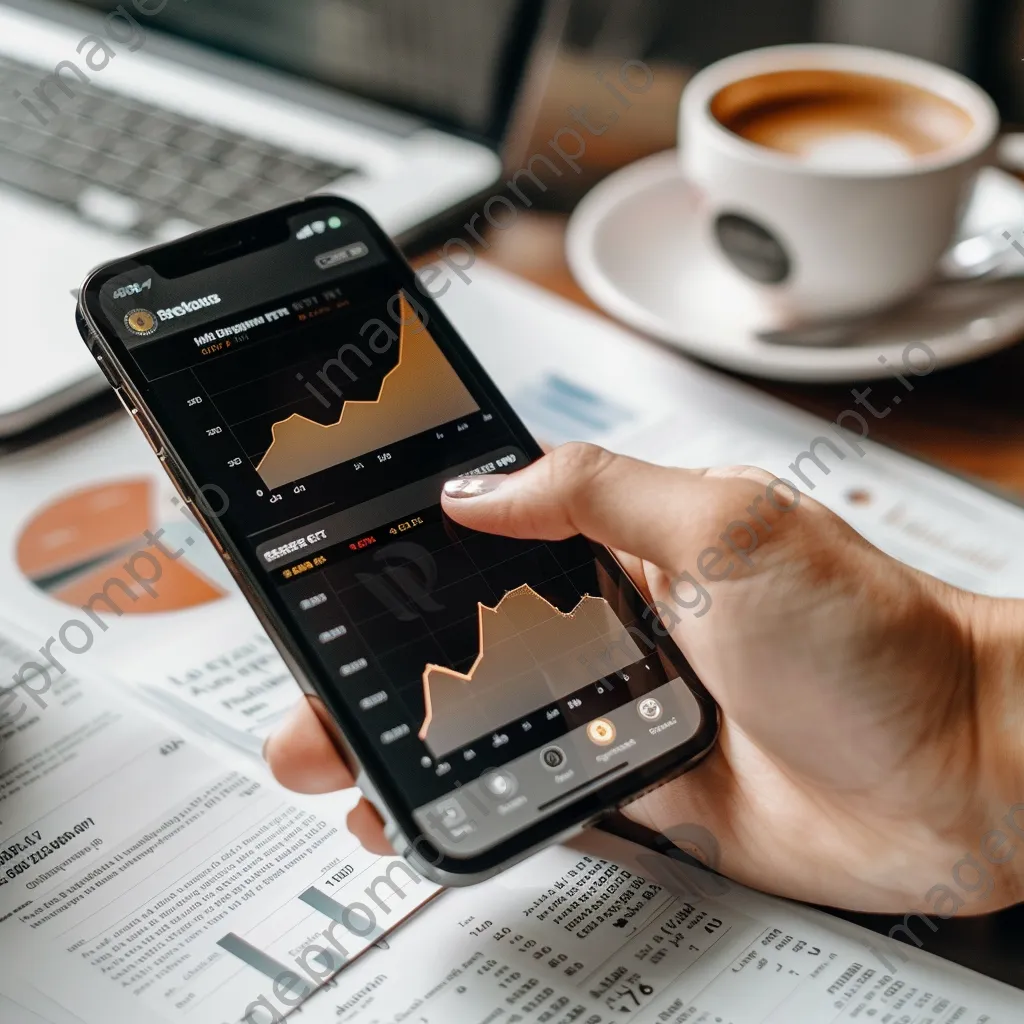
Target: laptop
125,125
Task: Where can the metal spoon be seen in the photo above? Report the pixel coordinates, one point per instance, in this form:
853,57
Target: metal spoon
985,256
982,255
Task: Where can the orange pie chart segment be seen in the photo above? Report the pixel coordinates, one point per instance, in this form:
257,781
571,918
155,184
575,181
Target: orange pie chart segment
85,526
82,544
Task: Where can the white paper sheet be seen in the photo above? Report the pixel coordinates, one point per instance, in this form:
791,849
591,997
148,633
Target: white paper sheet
143,878
15,1012
604,931
23,1004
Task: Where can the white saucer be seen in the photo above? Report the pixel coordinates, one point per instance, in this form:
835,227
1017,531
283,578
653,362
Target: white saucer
633,245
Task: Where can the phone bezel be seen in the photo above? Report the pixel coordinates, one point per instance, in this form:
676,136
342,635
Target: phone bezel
187,256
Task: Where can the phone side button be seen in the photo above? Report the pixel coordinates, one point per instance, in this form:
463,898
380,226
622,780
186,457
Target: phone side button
149,431
141,420
128,407
210,535
107,372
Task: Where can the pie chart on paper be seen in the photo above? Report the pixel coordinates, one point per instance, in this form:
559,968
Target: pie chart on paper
78,546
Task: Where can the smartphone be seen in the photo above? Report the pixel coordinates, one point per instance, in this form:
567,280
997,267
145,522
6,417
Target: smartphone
308,398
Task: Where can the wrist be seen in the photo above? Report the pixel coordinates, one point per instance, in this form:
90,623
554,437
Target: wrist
995,628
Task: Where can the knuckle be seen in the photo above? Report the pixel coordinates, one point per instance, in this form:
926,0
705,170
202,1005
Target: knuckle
738,495
757,479
755,475
750,509
577,458
575,467
571,476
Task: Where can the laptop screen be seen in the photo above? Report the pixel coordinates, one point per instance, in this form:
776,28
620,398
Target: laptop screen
456,62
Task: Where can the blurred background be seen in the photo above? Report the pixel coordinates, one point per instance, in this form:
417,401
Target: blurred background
969,420
984,39
388,49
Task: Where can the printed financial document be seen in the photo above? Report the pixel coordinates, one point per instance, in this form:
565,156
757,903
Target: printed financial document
144,878
86,535
602,930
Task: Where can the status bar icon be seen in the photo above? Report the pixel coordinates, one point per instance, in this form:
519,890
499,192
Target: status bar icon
318,227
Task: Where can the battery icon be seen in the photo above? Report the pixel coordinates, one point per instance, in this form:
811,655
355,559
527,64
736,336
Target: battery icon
347,253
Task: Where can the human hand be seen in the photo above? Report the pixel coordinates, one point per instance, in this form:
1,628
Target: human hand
863,750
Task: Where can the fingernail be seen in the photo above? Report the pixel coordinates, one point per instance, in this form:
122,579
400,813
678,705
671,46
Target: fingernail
263,751
473,486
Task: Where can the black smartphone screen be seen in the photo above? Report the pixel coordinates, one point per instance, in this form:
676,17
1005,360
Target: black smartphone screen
317,399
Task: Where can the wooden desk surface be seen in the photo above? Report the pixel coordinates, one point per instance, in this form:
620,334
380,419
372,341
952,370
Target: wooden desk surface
969,419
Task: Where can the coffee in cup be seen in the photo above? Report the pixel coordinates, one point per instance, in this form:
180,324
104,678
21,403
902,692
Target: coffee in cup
841,119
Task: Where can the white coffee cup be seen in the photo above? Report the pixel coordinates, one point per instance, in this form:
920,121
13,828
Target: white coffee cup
841,177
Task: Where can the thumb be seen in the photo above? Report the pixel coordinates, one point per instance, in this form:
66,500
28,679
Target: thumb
664,516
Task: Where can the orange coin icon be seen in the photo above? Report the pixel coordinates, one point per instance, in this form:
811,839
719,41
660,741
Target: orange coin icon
140,321
601,732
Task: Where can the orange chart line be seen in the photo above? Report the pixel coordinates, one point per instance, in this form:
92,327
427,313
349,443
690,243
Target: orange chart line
467,677
353,402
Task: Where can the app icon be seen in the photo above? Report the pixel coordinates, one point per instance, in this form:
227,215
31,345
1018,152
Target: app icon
601,732
648,708
552,758
140,321
500,784
450,812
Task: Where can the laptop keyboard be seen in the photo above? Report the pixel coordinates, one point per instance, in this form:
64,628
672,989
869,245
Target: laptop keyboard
142,169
